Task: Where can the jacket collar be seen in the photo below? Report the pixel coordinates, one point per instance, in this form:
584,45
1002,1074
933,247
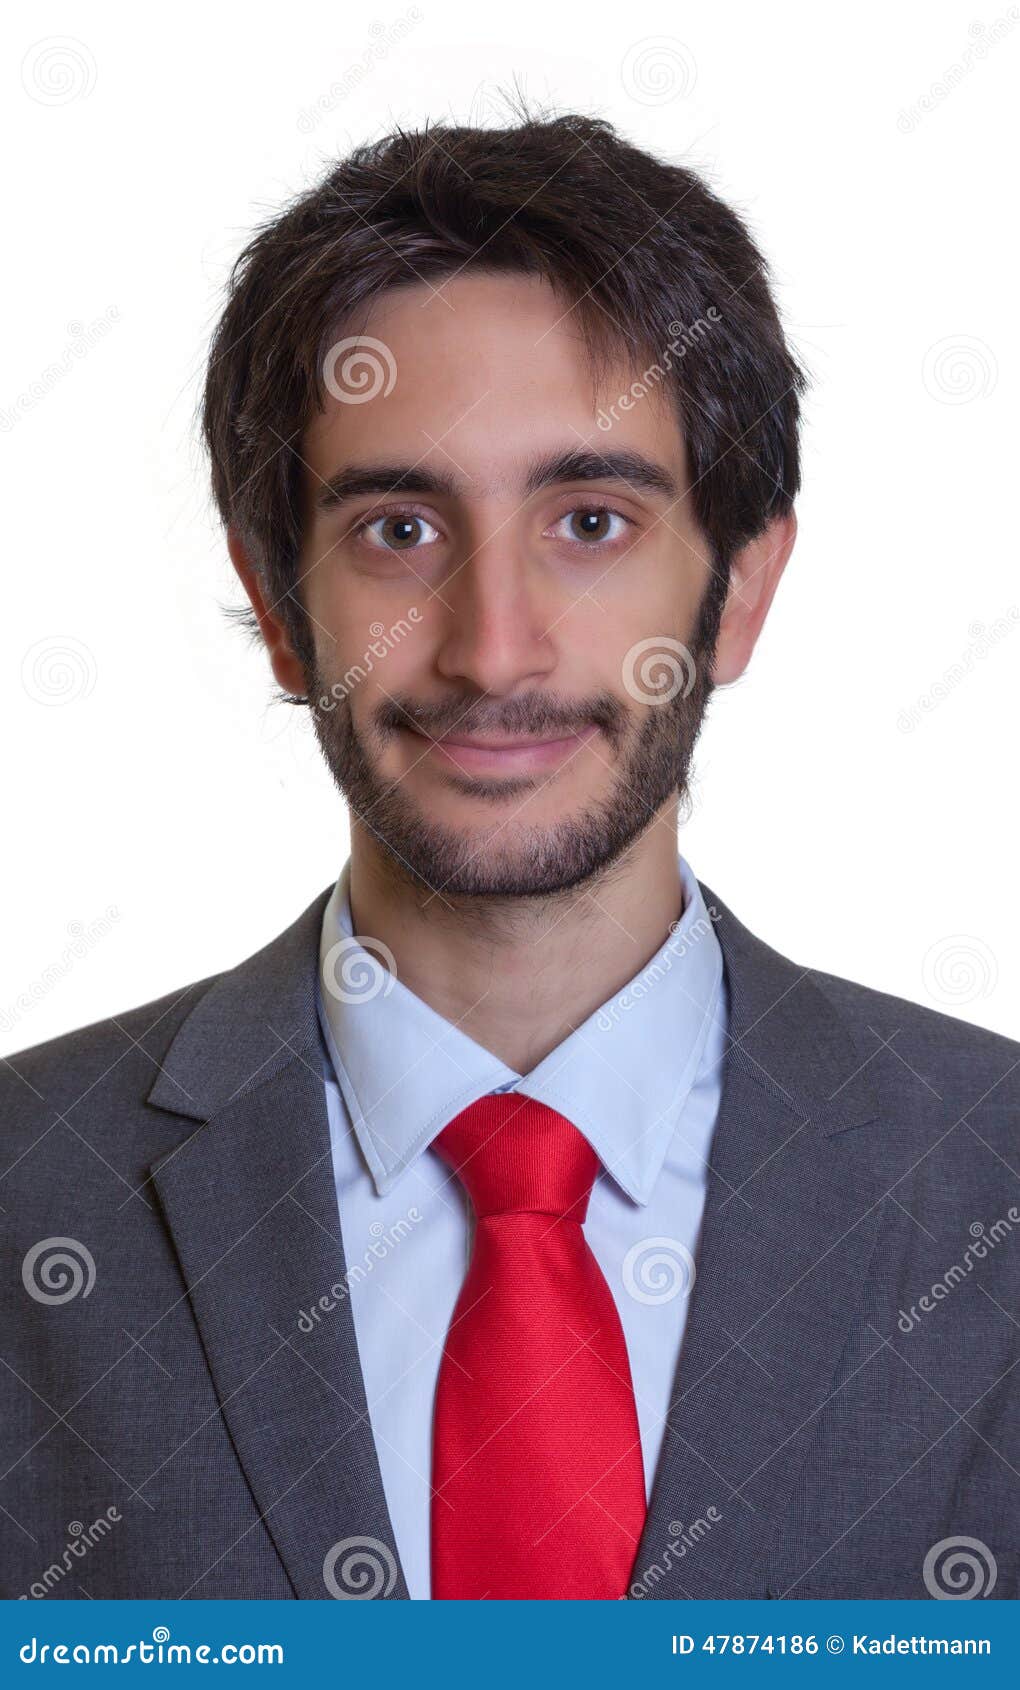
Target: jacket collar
255,1018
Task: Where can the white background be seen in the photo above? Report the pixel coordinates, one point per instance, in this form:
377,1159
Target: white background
147,771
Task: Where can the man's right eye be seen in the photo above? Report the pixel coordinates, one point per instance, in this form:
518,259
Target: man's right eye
396,532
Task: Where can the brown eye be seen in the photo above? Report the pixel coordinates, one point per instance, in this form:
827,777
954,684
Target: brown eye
591,525
400,531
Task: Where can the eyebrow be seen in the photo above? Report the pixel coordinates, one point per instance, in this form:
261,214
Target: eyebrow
580,464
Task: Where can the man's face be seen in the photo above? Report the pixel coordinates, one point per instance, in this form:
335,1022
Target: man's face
494,603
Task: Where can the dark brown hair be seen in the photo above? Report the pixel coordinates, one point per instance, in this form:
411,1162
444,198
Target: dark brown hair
642,250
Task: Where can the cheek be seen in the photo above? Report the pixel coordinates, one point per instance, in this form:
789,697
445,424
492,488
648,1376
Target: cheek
379,670
355,627
599,645
640,649
654,592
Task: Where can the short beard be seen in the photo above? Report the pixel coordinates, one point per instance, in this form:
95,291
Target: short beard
542,861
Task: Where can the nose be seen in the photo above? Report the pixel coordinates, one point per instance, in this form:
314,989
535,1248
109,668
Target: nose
501,622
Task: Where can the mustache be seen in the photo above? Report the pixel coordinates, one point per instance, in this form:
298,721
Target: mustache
531,715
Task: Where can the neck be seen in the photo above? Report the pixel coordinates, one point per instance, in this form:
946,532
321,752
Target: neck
518,975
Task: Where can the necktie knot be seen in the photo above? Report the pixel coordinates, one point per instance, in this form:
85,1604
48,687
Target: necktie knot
514,1155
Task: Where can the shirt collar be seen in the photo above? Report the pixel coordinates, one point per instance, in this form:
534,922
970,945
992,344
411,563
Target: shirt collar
622,1076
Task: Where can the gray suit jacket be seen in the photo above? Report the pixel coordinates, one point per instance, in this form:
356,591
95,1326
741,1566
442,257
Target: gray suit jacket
848,1396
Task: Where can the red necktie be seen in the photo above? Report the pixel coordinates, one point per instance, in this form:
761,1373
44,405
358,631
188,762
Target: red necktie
538,1483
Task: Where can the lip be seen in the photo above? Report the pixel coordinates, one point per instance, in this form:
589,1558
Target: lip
506,756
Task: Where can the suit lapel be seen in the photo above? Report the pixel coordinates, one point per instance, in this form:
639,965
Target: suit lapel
250,1202
790,1220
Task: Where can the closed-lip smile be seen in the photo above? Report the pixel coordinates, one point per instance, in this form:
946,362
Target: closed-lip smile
472,752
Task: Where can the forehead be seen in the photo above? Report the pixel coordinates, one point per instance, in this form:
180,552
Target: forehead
478,374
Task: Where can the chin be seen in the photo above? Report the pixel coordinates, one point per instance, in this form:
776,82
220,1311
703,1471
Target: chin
510,823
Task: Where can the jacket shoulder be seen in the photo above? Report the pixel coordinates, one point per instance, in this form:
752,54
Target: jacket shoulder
117,1056
941,1030
929,1063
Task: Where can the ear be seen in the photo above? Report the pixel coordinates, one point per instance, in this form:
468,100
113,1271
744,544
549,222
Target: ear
286,665
754,576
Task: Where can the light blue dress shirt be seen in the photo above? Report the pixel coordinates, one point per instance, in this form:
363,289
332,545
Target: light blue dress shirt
640,1078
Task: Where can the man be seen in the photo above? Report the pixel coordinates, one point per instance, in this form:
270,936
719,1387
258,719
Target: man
517,1223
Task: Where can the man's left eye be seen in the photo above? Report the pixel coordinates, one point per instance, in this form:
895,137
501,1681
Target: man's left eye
591,525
